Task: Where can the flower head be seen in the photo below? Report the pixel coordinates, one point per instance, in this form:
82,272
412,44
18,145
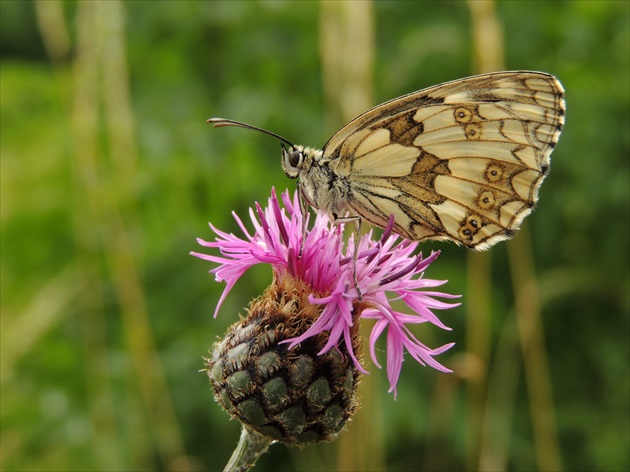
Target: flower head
386,270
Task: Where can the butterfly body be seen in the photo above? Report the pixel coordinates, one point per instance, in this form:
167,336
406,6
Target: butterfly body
321,184
461,161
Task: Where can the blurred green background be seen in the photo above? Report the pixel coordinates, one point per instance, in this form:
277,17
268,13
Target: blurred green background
109,173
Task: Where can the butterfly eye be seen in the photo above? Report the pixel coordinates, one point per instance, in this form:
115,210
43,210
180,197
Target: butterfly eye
292,161
295,158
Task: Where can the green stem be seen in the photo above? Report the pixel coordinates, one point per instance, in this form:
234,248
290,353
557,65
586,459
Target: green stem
251,446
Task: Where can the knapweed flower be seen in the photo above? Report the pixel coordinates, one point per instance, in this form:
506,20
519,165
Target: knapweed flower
318,295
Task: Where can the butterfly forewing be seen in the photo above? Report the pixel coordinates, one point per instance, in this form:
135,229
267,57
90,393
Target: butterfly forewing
461,161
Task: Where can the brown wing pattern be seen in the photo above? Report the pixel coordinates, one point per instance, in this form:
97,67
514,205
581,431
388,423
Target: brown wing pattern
461,161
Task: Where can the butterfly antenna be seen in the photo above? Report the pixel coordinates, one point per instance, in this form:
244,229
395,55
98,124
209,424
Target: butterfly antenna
218,122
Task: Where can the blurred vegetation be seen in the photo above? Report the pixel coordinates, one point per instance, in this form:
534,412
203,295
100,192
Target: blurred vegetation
109,173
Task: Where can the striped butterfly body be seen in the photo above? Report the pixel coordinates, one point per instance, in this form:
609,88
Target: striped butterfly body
461,161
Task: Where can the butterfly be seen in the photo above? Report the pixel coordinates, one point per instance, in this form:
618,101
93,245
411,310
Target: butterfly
461,161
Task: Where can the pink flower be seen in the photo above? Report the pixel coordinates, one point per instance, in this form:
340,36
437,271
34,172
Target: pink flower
386,270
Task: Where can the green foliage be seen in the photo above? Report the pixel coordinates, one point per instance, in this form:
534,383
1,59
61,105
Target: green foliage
67,339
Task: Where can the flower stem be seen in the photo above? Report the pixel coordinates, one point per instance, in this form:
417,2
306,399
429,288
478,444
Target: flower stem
251,446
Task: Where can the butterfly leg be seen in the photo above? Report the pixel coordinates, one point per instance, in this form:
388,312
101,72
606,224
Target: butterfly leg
357,221
357,232
304,211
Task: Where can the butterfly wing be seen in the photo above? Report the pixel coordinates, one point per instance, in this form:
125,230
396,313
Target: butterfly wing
461,161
